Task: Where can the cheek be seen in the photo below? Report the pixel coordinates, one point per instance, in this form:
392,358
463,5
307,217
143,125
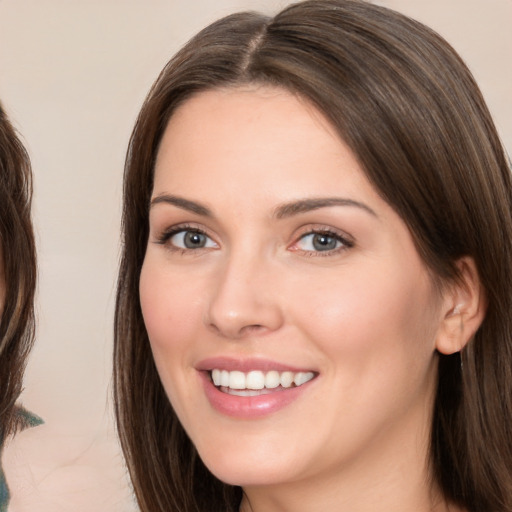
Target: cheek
170,309
376,337
372,317
171,315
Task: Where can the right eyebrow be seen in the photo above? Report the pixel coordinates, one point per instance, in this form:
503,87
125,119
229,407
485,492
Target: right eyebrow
181,202
315,203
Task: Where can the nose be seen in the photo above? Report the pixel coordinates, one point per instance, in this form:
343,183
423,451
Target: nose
244,299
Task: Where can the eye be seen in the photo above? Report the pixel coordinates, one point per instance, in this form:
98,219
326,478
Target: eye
187,239
321,241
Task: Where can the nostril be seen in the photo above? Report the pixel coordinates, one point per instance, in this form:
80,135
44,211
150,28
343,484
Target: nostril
236,332
252,328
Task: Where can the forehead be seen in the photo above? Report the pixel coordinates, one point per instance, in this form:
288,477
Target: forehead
259,134
248,109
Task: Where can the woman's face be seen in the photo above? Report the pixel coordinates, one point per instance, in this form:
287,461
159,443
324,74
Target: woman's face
274,268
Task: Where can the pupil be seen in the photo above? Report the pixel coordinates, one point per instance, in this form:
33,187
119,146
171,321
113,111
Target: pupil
324,242
194,240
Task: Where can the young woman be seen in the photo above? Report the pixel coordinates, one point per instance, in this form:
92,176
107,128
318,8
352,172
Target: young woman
17,282
315,296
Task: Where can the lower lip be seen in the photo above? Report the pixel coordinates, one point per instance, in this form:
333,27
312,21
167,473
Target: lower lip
250,406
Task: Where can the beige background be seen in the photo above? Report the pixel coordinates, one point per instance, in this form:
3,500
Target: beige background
73,75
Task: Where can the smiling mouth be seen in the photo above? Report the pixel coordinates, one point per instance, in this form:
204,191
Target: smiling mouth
256,382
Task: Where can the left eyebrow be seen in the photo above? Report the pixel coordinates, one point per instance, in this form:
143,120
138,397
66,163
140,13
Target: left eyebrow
181,202
306,205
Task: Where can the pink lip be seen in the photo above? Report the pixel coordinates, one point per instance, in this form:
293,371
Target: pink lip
246,365
248,407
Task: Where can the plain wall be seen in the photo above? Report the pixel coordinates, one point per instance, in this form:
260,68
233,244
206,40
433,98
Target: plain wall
73,75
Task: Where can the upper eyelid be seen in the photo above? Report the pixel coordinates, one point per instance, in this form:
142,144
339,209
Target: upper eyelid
164,235
325,229
181,226
160,224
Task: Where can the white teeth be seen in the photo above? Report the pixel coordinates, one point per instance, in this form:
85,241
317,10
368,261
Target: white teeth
245,392
257,380
301,378
237,380
272,379
224,378
287,379
216,377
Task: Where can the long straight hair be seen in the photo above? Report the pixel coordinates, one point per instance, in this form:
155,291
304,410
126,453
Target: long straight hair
407,106
19,270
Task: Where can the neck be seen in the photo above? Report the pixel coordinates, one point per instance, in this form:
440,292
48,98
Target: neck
430,503
391,490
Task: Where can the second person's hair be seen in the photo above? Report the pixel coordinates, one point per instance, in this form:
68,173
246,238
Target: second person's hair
19,270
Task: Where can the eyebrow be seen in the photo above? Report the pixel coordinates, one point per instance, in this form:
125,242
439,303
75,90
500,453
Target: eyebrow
281,212
307,205
184,204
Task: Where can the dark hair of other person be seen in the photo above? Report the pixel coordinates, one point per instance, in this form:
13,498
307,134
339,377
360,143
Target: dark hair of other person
404,102
19,271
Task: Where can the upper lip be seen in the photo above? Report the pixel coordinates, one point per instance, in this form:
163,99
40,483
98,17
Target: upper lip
246,365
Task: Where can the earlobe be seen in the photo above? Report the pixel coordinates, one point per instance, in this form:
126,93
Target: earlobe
463,311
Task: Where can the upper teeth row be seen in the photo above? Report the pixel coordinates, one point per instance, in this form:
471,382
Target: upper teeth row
258,380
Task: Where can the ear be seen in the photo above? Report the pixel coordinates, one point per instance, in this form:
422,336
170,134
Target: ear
464,307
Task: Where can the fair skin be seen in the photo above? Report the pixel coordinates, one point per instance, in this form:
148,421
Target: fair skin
270,250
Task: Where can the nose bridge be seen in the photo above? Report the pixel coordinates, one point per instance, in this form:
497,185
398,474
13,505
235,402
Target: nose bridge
244,298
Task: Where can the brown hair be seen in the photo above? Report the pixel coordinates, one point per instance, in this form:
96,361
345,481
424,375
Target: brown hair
409,109
19,269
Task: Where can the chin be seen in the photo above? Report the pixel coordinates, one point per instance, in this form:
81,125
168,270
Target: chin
245,476
239,468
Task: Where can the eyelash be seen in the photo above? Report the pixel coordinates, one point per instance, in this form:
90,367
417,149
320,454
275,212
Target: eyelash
166,235
345,242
